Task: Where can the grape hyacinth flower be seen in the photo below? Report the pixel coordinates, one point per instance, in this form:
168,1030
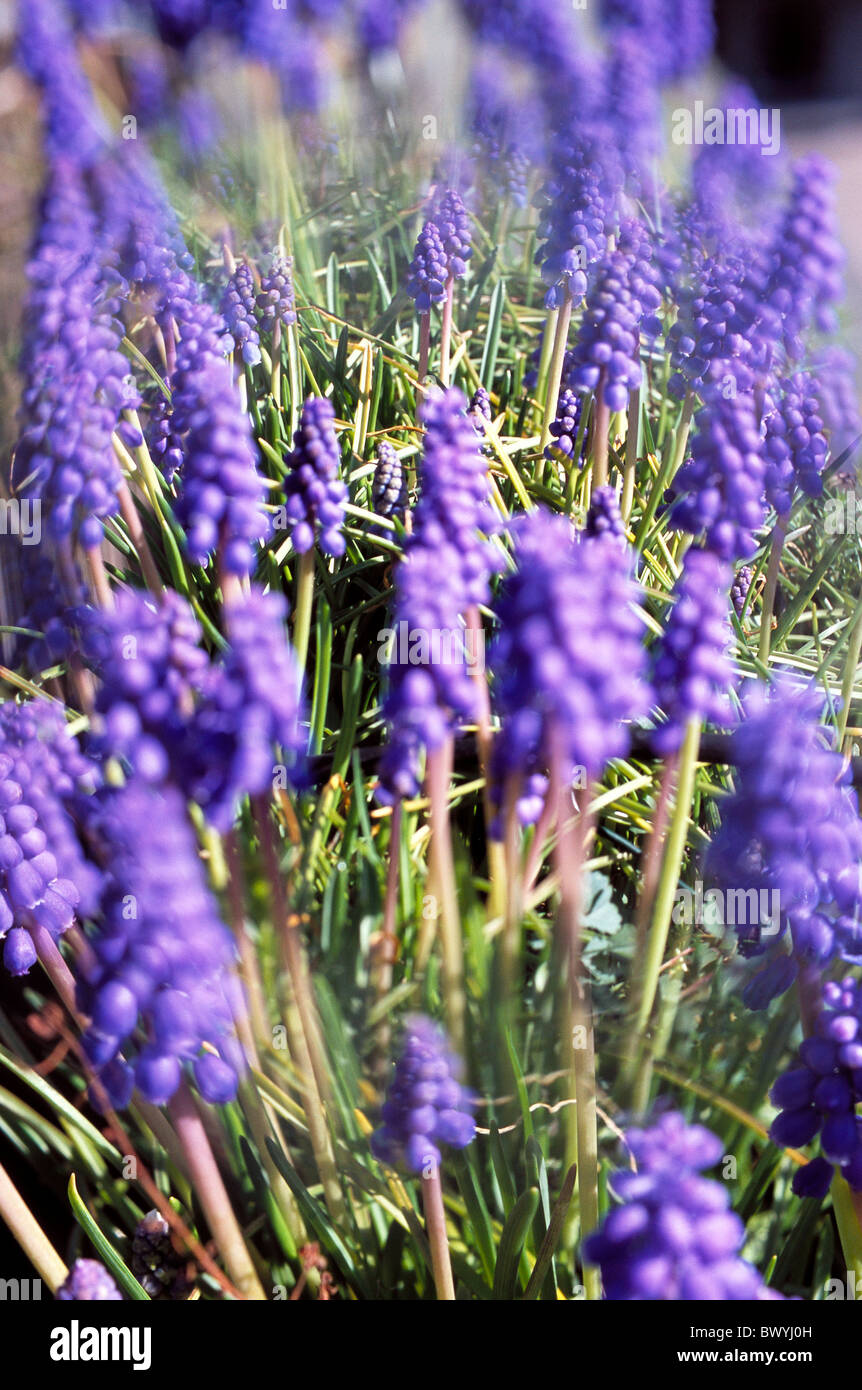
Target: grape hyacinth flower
251,708
607,352
32,893
315,496
57,780
221,502
276,301
479,409
719,492
88,1282
740,587
428,271
568,659
693,672
454,505
673,1237
163,958
430,689
791,832
237,307
819,1096
156,1264
794,442
604,518
449,215
426,1104
806,277
150,665
389,485
564,431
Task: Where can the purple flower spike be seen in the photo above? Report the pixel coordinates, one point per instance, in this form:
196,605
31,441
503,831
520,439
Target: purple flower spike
791,832
163,956
276,300
88,1282
719,492
389,485
250,712
568,661
237,306
315,496
819,1095
673,1237
221,503
426,1105
426,281
693,672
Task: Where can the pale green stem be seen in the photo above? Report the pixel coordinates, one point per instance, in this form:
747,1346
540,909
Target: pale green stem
848,677
446,330
671,460
29,1234
665,896
304,605
578,1037
631,460
555,374
768,601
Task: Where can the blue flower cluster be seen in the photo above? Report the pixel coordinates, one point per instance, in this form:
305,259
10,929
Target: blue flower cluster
161,986
673,1237
719,492
276,301
221,501
426,1105
568,660
237,307
820,1096
389,485
791,832
693,673
314,494
795,445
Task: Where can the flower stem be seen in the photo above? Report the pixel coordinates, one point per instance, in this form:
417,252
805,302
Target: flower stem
768,601
446,330
555,373
848,677
435,1225
639,1070
424,348
212,1194
29,1234
441,868
304,605
599,439
579,1036
631,460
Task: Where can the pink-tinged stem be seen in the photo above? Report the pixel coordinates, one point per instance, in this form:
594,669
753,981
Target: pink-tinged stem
386,946
99,578
441,867
435,1226
446,330
212,1194
139,540
55,968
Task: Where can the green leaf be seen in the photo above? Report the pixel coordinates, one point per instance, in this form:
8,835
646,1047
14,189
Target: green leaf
515,1233
103,1247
